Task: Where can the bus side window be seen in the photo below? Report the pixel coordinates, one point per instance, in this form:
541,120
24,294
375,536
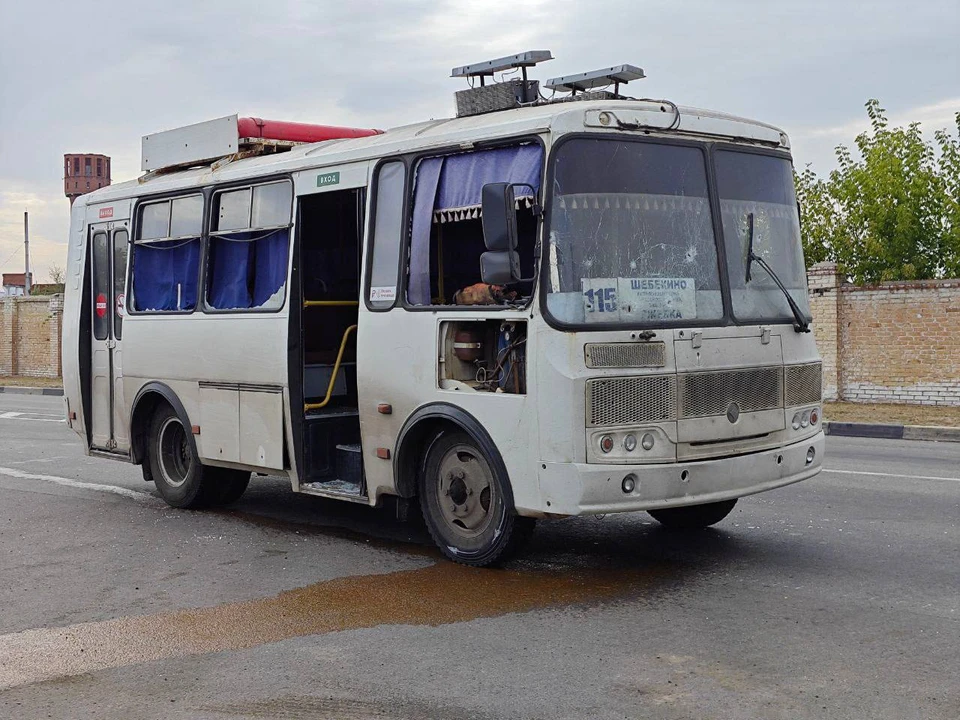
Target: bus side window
120,240
166,255
101,286
249,247
387,233
447,230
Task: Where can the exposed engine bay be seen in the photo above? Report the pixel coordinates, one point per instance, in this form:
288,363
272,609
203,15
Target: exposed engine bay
484,356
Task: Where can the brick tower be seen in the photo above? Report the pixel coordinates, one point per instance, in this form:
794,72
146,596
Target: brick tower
84,173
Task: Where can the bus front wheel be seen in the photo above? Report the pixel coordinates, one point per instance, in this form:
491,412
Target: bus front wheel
693,517
181,479
465,505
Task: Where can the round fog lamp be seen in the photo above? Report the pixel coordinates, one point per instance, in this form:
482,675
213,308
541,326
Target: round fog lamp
796,421
811,454
606,443
629,483
647,441
630,443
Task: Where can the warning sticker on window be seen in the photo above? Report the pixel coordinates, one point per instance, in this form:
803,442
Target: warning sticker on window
385,293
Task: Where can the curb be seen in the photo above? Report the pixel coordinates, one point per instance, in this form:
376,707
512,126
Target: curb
892,432
17,390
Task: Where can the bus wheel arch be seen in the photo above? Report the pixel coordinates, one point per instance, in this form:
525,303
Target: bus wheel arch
146,404
434,437
420,430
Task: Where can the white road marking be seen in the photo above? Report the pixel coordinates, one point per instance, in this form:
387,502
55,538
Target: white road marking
67,482
896,475
39,417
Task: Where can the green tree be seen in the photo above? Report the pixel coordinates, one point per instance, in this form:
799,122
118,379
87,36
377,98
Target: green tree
891,214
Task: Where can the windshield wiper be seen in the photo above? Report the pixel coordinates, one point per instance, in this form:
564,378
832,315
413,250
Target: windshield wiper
801,325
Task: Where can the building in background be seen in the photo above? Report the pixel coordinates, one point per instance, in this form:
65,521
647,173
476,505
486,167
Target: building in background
84,173
14,284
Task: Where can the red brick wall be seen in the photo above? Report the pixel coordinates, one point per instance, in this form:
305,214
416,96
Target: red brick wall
30,332
894,342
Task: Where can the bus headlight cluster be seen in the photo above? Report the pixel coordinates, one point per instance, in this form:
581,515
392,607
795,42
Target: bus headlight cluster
805,418
629,442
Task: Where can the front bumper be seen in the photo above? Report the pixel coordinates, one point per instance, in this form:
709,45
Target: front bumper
587,489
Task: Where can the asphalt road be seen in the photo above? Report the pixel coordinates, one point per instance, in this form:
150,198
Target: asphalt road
835,598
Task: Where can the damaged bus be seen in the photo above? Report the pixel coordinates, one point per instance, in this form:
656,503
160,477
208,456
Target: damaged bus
541,308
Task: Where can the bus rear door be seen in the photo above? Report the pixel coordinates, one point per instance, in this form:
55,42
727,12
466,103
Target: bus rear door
109,243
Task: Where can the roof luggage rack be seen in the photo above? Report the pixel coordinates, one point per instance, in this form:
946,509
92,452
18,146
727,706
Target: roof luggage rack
231,138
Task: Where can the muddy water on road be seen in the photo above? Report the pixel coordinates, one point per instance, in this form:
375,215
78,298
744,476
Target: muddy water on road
439,594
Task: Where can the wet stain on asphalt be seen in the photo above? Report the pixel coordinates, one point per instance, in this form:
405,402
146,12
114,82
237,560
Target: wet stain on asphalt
438,594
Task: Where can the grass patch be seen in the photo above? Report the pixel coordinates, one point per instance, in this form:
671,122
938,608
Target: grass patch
21,381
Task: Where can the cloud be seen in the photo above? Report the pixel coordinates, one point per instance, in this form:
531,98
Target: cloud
84,77
815,145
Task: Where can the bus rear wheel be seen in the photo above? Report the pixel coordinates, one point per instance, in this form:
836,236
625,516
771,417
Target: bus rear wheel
181,479
693,517
465,505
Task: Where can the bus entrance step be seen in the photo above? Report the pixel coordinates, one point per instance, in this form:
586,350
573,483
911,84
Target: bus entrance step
340,487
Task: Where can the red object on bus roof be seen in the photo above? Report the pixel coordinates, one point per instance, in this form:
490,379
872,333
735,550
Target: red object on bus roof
250,127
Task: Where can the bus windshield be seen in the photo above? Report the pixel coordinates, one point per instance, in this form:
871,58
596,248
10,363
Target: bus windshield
761,186
632,238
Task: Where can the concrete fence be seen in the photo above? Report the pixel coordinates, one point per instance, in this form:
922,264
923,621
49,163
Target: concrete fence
896,342
30,332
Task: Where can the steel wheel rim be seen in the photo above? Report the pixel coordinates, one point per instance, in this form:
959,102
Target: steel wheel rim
175,457
466,491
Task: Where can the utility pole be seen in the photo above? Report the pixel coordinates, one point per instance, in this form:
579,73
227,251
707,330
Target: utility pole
26,253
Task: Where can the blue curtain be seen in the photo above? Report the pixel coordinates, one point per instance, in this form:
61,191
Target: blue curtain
271,266
456,182
229,272
464,176
164,271
428,176
247,269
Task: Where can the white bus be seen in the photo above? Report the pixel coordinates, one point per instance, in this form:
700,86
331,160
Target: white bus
561,308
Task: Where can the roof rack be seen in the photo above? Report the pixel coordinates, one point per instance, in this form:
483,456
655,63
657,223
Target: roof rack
230,138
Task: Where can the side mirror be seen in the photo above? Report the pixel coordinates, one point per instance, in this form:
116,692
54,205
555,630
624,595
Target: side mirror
499,216
500,265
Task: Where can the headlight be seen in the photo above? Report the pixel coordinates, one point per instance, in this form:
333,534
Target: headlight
630,443
647,441
805,418
796,421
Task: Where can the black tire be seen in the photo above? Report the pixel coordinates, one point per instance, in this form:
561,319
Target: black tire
181,480
476,525
231,483
693,517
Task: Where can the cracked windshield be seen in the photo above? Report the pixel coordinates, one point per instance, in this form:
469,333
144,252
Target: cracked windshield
631,237
761,185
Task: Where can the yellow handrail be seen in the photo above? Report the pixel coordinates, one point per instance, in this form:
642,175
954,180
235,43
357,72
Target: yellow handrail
331,303
307,407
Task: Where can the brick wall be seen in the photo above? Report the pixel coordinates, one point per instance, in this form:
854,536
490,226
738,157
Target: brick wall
893,342
30,332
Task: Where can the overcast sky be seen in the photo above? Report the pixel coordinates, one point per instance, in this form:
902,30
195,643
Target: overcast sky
85,76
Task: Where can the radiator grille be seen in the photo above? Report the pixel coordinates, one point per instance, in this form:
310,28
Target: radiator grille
710,393
624,355
803,384
630,401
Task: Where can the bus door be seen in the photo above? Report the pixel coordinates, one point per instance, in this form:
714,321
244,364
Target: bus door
109,243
